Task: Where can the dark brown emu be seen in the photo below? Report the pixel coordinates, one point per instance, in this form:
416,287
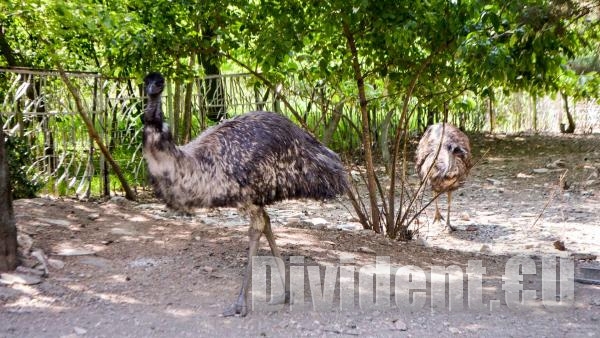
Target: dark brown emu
246,162
443,162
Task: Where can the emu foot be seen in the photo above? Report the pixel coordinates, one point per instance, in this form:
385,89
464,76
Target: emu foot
236,309
437,217
450,228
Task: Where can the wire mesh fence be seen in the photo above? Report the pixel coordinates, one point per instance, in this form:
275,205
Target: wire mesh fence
36,106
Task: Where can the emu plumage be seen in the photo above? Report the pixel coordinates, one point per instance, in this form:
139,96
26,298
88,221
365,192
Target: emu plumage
443,161
247,162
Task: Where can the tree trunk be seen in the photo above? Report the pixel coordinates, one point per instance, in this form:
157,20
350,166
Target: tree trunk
366,130
186,128
534,113
176,117
333,123
571,128
384,140
8,230
491,113
214,92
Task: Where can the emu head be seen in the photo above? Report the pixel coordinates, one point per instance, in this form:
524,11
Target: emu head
456,150
154,84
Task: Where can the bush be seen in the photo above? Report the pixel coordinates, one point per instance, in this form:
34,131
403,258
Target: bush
19,160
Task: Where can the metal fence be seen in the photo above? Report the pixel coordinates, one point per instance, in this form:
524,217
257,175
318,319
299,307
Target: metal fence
37,107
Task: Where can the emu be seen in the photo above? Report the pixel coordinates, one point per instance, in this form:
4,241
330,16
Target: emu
443,161
247,162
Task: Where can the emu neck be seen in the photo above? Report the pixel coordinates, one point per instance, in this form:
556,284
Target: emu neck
153,113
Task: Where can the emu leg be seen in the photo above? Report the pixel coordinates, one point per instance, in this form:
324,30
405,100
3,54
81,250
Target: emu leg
438,216
448,214
240,306
275,251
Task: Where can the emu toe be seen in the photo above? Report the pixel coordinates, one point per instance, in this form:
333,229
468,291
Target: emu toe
438,217
236,309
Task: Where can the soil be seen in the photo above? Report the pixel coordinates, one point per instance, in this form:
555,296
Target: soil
124,269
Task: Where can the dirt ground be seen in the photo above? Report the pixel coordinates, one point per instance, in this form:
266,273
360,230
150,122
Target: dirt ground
123,269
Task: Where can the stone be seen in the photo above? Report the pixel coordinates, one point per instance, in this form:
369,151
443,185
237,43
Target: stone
485,249
73,251
56,263
58,222
351,226
79,330
400,325
365,249
421,242
19,278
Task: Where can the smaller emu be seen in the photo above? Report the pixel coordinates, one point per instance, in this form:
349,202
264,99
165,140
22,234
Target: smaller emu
443,162
246,162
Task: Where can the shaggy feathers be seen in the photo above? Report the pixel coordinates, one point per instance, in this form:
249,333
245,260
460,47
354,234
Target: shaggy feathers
443,162
453,163
257,158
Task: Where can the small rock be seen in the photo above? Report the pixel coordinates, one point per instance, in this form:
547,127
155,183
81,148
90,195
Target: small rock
299,224
559,245
93,216
30,271
74,252
493,181
58,222
421,242
25,241
522,175
485,249
56,263
529,246
208,269
541,170
472,228
352,226
79,330
19,278
454,330
556,164
365,249
465,216
400,325
119,200
41,257
318,221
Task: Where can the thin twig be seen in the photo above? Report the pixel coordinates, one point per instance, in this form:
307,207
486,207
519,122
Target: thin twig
552,195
